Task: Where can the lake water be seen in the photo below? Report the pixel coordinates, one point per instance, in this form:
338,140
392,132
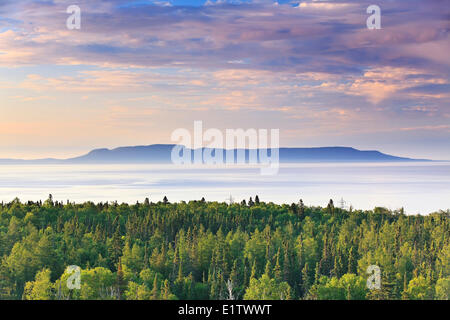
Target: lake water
418,187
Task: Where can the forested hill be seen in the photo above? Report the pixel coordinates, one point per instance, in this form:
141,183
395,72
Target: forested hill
161,153
210,250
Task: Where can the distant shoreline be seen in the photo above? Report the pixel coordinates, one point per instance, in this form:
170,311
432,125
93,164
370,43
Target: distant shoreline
161,154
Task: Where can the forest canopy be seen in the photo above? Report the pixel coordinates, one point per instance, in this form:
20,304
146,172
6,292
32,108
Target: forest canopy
211,250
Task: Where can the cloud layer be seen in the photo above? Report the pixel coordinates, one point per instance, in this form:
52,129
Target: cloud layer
310,68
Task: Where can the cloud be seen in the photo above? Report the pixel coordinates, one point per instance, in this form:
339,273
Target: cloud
312,65
323,5
443,127
273,37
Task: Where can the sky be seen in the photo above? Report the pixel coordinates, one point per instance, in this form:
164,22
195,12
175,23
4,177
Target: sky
138,70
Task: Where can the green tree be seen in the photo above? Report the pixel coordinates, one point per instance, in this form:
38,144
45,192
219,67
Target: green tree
419,288
41,288
266,288
443,289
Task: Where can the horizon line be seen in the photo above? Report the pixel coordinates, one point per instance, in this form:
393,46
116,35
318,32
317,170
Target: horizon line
224,149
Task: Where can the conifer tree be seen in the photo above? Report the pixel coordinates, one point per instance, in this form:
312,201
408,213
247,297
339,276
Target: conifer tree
154,294
120,282
277,269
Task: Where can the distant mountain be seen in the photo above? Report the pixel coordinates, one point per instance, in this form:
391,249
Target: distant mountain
156,153
161,153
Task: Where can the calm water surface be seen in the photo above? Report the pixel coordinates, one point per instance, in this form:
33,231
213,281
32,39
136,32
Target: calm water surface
418,187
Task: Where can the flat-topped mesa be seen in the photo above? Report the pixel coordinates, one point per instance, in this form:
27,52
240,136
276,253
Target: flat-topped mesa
161,154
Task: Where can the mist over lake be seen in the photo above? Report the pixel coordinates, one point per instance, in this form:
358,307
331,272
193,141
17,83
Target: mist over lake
417,187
